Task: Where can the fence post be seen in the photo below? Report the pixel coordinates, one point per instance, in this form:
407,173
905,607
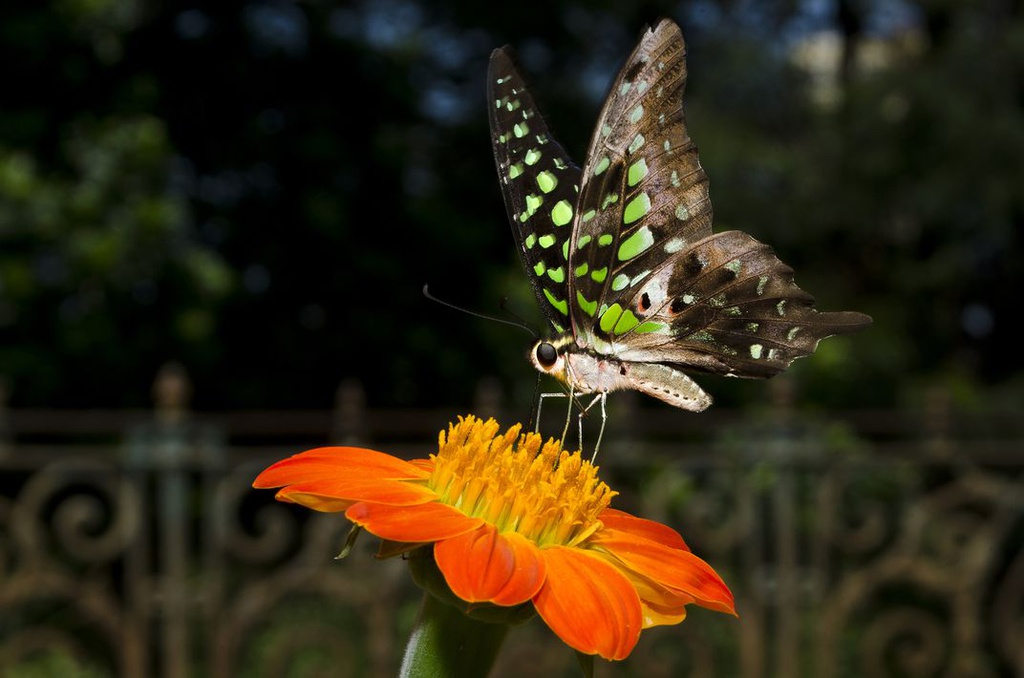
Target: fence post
161,457
488,397
350,414
6,439
937,408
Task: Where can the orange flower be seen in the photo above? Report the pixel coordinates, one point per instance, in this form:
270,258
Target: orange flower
513,521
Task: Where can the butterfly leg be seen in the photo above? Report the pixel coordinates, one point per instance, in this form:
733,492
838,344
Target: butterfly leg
603,398
540,407
568,416
573,400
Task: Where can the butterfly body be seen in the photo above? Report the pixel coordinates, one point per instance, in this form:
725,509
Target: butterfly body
621,254
585,372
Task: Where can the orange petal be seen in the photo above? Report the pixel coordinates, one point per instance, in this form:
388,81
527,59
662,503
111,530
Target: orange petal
589,603
678,571
421,523
641,527
314,501
655,615
351,489
484,566
324,463
661,606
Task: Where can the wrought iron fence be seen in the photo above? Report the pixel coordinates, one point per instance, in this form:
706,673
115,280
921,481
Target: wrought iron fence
857,543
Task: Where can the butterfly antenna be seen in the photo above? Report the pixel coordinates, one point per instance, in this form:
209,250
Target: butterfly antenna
516,322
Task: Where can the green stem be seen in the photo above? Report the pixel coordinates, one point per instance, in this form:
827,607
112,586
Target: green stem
446,642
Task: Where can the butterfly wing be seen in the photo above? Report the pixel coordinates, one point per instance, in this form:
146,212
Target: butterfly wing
651,283
643,194
539,182
726,305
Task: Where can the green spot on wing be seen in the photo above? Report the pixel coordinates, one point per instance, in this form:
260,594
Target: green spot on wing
559,304
589,307
626,322
547,181
561,213
530,241
520,129
605,240
532,203
620,282
638,141
601,165
531,157
610,317
599,274
582,269
637,171
635,244
557,274
546,241
515,170
637,208
636,114
584,239
539,268
651,326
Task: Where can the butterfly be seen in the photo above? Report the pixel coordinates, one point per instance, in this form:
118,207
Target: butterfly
621,254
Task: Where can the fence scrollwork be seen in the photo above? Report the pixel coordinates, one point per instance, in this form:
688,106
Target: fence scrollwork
853,548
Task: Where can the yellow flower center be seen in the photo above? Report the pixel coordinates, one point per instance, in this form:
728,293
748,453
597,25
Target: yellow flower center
544,493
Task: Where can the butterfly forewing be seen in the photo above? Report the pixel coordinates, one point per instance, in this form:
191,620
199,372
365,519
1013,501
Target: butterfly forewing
540,184
643,193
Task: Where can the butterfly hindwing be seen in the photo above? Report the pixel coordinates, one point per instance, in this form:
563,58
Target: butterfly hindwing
539,182
727,305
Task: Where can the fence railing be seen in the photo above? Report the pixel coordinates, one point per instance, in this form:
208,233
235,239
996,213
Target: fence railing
857,543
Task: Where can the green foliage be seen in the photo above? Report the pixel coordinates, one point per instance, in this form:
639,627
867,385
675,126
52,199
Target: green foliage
98,255
260,191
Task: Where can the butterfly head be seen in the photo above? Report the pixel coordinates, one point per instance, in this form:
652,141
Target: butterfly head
549,356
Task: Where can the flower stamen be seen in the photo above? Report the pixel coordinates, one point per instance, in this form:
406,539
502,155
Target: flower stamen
548,495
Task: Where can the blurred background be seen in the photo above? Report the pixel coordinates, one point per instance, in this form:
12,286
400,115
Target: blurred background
216,221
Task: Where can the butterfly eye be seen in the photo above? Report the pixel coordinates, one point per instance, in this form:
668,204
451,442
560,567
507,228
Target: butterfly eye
546,354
